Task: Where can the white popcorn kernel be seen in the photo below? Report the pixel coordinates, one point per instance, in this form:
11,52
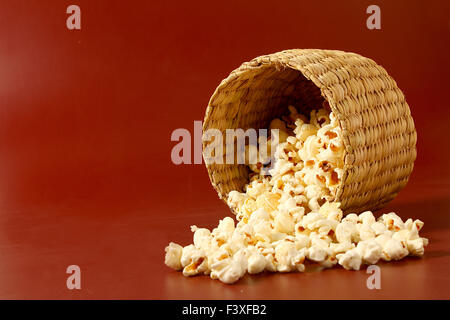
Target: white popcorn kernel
258,215
230,270
394,250
222,253
201,238
326,226
370,251
186,255
345,231
341,247
226,225
319,240
304,131
289,204
256,189
256,263
173,256
282,130
416,246
367,218
401,235
329,262
302,241
236,199
331,211
284,222
313,204
378,227
366,232
194,261
351,217
392,221
293,213
288,258
351,260
408,224
310,220
317,253
263,230
313,191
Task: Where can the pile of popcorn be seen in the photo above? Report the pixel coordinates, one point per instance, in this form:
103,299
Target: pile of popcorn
290,218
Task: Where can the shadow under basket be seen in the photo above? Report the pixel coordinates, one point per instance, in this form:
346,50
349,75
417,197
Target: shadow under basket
377,127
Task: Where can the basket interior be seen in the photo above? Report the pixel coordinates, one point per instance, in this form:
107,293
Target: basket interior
251,99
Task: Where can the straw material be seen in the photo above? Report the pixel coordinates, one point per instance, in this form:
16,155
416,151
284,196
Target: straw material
378,130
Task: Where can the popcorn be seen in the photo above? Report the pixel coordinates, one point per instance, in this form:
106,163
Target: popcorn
268,201
345,231
288,257
351,260
194,261
367,218
173,256
292,216
378,228
256,263
394,249
317,253
370,251
284,222
231,269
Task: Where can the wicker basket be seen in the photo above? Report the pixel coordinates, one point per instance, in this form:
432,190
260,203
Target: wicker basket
378,130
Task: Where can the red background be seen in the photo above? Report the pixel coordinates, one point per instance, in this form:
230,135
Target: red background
85,122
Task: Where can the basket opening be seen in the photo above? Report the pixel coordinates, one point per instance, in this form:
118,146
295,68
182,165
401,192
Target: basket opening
251,99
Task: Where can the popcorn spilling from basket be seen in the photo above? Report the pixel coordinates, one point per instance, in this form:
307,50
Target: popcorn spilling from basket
290,218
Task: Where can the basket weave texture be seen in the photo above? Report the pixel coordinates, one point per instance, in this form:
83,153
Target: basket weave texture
377,127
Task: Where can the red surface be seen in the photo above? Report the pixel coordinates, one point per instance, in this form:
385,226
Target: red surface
85,123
